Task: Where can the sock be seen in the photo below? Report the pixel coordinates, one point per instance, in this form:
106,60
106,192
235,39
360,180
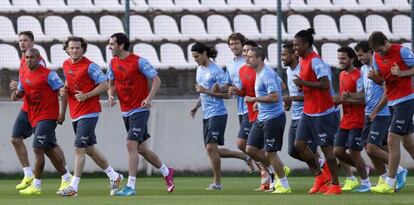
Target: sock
66,177
390,181
164,170
384,176
284,182
353,178
27,171
111,173
131,181
37,183
321,162
366,182
400,169
265,178
67,169
271,170
75,183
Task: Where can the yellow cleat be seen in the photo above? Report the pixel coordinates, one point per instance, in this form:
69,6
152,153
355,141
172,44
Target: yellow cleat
30,191
380,181
287,170
383,189
350,185
282,190
63,185
27,181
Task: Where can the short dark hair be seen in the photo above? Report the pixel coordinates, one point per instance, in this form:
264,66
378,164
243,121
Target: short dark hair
83,42
27,33
289,47
259,52
121,38
377,38
306,35
363,46
236,36
201,47
250,43
34,50
351,54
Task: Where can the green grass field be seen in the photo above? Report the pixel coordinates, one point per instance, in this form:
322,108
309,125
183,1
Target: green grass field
191,190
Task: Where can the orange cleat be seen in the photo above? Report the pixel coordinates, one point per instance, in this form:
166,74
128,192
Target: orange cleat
326,170
320,181
334,189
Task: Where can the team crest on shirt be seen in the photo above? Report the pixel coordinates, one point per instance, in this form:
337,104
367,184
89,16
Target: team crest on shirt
121,69
70,72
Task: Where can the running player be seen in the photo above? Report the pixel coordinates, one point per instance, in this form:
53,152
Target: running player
129,73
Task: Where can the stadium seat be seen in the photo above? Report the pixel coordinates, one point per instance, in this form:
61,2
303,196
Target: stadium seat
10,57
322,5
148,52
272,55
190,5
7,7
325,28
297,5
295,23
58,6
348,5
143,31
172,55
57,56
193,27
30,23
84,26
219,27
165,27
268,25
243,5
351,27
217,5
330,54
401,27
373,5
44,55
269,5
7,32
163,5
398,5
109,5
224,55
247,25
109,25
56,28
94,54
377,23
83,6
30,6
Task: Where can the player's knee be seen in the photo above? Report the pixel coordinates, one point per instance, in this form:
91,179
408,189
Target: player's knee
299,145
251,151
339,152
16,141
371,149
38,151
241,146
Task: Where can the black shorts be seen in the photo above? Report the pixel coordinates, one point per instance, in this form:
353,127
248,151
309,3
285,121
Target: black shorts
85,132
375,132
136,126
321,129
402,118
292,137
22,127
44,134
214,128
270,132
244,126
350,138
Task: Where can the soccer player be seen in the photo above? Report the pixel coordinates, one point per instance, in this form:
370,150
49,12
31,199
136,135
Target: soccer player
271,119
393,64
129,73
40,86
319,119
85,81
352,122
22,128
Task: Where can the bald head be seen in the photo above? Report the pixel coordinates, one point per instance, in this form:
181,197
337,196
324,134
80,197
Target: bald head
32,56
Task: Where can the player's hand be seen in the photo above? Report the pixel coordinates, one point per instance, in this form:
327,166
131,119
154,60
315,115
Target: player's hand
216,88
287,102
372,116
111,101
146,103
60,119
13,85
200,89
63,91
395,70
80,96
193,111
298,81
371,74
249,99
232,90
256,107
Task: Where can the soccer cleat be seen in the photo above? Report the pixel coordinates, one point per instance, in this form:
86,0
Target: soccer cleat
287,170
26,182
214,187
169,180
380,181
350,184
281,190
334,189
326,170
263,187
273,180
320,181
68,192
115,184
383,189
401,179
30,191
126,191
63,185
250,164
362,189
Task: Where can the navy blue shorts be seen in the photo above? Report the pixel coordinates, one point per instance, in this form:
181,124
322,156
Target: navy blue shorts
44,134
402,118
22,127
244,126
292,137
85,132
136,126
269,133
375,132
321,129
214,128
349,138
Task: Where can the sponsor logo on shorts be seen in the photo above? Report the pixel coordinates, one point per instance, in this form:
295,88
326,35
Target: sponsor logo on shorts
374,133
136,131
373,137
84,139
400,122
215,133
